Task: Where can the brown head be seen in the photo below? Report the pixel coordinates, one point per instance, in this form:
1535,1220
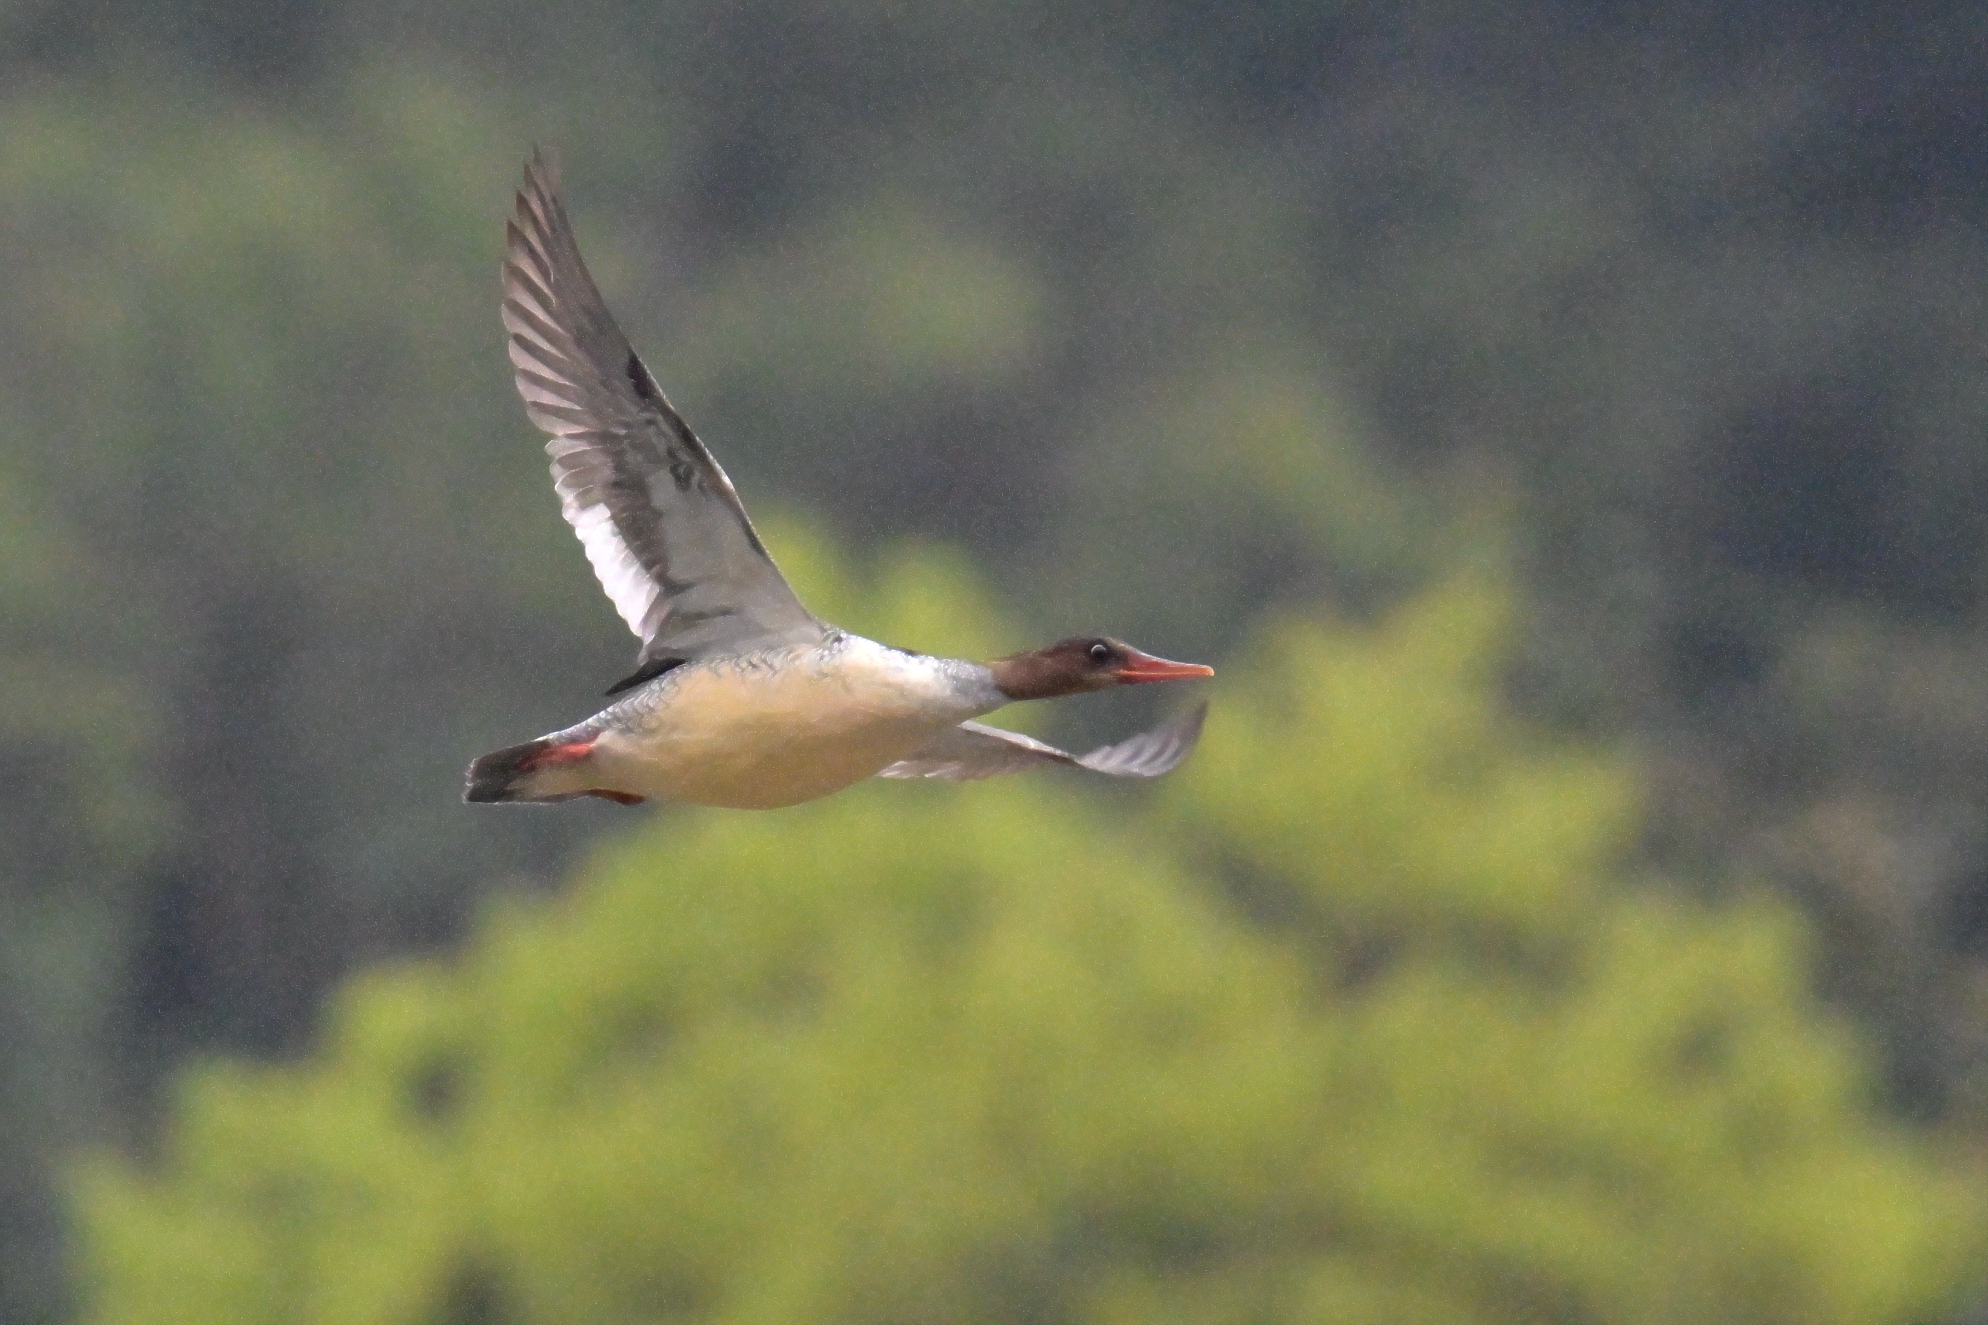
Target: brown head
1094,662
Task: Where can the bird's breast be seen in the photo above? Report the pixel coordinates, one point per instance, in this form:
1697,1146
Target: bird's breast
756,732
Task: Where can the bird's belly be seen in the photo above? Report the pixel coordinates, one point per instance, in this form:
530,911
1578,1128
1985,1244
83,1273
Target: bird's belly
761,742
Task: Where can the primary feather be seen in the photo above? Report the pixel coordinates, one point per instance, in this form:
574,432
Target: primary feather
660,521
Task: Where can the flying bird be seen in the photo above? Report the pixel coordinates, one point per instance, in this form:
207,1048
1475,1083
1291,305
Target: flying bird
741,697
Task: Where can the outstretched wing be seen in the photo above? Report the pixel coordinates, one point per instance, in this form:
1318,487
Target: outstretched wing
661,523
972,750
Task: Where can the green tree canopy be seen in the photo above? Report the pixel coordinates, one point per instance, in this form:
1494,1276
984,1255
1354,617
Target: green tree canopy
1350,1024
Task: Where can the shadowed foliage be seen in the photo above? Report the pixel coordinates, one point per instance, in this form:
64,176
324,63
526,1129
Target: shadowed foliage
999,1055
1172,319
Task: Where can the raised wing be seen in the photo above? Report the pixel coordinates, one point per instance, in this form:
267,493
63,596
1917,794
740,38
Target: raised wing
661,523
972,750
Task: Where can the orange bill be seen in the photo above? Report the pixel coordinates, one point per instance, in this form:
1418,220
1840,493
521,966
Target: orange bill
1145,667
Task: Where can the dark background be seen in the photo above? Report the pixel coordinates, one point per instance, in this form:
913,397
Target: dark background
1165,313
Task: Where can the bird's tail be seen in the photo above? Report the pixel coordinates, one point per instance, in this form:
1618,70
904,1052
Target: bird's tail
541,772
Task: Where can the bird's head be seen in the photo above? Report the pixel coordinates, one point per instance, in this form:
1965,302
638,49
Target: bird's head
1092,662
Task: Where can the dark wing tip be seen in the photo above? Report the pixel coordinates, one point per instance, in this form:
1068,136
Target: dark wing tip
538,210
1150,753
542,170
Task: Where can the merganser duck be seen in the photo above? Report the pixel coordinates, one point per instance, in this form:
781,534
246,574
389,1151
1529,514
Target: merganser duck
741,697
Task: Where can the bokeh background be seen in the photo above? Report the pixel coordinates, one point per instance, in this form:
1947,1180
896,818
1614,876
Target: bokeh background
1565,426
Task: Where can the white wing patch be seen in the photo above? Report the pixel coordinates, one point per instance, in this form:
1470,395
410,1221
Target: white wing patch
628,586
554,402
662,525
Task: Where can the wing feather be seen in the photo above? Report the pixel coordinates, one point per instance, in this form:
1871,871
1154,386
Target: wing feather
973,750
662,525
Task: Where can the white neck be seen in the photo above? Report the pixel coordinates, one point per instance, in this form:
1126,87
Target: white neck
972,683
949,688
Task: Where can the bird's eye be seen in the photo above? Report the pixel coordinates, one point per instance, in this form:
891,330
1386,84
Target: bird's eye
1100,652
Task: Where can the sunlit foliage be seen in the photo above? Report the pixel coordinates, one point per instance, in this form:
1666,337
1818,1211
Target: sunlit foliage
1352,1024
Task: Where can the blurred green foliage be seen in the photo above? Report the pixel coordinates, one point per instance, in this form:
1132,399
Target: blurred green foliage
1164,316
74,816
1392,1044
